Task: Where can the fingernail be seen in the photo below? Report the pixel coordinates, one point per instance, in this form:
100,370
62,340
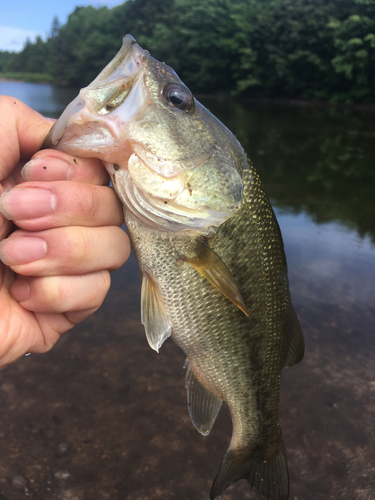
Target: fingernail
22,250
42,167
27,203
20,289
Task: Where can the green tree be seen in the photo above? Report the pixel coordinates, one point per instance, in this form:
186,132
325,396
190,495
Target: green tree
6,58
321,49
55,28
354,61
32,59
77,50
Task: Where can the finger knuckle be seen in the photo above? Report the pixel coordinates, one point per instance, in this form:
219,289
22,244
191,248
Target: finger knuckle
92,202
77,246
101,287
7,101
52,293
122,246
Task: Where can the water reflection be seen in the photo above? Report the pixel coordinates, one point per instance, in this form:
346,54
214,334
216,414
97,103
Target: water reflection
316,160
338,264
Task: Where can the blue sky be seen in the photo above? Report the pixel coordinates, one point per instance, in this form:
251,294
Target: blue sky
22,19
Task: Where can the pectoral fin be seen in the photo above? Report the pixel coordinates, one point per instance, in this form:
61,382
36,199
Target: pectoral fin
154,317
203,405
209,265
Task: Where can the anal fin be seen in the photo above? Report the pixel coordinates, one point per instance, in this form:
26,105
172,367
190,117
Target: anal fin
297,344
203,405
210,265
154,317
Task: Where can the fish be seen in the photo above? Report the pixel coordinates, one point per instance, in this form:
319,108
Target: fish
214,273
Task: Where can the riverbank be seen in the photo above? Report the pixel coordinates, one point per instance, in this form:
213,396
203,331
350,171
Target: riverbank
43,78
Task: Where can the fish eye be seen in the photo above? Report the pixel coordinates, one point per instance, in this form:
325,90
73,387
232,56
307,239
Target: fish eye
178,96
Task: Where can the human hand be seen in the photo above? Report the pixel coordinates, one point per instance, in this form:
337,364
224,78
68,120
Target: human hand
55,265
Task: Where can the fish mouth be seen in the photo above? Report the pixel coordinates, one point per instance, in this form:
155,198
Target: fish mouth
117,91
121,118
97,121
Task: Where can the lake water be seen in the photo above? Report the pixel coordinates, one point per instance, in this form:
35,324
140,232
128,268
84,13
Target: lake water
103,417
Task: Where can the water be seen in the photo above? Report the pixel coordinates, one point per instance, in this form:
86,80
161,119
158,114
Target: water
46,99
120,409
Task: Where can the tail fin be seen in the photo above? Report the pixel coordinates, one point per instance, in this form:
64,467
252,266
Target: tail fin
268,476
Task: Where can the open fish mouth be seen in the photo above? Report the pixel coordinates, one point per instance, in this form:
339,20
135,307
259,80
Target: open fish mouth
144,124
97,115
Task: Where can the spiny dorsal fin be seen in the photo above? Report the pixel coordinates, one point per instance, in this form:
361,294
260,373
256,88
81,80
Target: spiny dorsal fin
203,405
154,317
297,344
209,265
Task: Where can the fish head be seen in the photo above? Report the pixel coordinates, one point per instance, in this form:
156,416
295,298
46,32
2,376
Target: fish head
172,163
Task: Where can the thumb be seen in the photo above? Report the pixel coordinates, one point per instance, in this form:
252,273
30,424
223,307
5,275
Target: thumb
22,132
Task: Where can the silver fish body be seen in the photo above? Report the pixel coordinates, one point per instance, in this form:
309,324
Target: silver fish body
214,274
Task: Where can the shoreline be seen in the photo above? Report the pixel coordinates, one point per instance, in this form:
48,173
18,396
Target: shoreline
20,80
277,101
2,79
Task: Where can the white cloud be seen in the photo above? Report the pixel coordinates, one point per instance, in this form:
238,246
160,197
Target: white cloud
14,39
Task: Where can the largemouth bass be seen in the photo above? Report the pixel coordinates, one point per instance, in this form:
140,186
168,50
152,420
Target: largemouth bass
214,274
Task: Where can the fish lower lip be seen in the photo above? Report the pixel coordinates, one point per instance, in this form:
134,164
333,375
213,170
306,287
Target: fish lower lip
87,138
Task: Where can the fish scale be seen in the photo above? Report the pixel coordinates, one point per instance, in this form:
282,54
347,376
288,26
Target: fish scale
238,358
214,274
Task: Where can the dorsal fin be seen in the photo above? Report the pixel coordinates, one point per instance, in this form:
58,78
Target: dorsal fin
203,405
297,344
154,317
210,265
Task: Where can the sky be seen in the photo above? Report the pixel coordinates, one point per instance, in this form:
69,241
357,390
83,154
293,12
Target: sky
22,19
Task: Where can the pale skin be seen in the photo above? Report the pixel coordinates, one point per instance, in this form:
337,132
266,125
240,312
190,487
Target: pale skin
55,264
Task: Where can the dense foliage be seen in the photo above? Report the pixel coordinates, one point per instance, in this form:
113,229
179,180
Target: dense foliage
322,49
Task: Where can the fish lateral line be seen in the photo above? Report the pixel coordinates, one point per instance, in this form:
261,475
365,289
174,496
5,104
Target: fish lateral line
207,262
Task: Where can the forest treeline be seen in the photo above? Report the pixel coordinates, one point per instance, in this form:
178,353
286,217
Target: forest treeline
310,49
